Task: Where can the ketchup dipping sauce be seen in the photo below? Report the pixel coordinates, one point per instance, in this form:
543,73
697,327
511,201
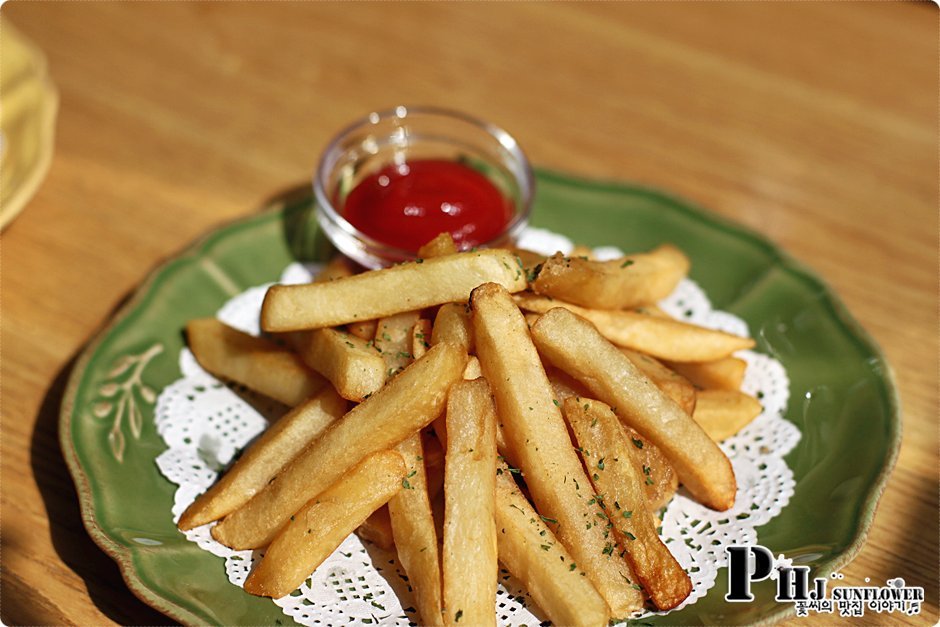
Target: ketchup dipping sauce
392,182
406,205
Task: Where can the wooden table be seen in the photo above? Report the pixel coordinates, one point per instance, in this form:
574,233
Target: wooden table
814,123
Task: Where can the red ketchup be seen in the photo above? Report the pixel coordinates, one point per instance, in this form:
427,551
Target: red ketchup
407,205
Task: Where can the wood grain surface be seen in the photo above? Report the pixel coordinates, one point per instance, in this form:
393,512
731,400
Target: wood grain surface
814,123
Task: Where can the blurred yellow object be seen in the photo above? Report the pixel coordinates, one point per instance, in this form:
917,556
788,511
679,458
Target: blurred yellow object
28,105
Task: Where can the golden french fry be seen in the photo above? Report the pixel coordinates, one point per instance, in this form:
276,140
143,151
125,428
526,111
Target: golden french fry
532,553
473,370
564,385
393,341
529,258
657,336
404,405
319,527
632,281
380,293
255,362
413,530
420,338
538,442
377,529
441,245
663,487
452,324
574,345
664,484
653,310
469,558
338,267
602,442
660,479
364,330
673,385
282,441
354,368
721,374
722,413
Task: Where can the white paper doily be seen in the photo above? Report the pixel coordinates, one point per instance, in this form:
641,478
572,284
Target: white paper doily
205,422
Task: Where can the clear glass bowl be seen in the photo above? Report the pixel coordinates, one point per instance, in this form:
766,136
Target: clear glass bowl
398,135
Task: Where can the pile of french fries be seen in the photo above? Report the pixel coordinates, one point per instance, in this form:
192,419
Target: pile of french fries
471,408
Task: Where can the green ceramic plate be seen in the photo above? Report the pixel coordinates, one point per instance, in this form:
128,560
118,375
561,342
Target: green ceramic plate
842,396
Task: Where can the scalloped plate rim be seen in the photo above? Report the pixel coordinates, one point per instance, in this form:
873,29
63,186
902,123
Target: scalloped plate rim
123,554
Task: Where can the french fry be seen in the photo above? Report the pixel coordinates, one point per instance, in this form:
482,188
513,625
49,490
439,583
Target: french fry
602,442
380,293
469,558
538,440
722,413
441,245
377,529
282,441
664,482
632,281
255,362
364,330
410,510
657,336
354,368
721,374
396,338
532,553
659,477
563,384
420,338
404,405
673,385
413,530
439,426
530,318
452,324
420,345
473,370
338,267
393,341
529,258
320,526
653,310
574,345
